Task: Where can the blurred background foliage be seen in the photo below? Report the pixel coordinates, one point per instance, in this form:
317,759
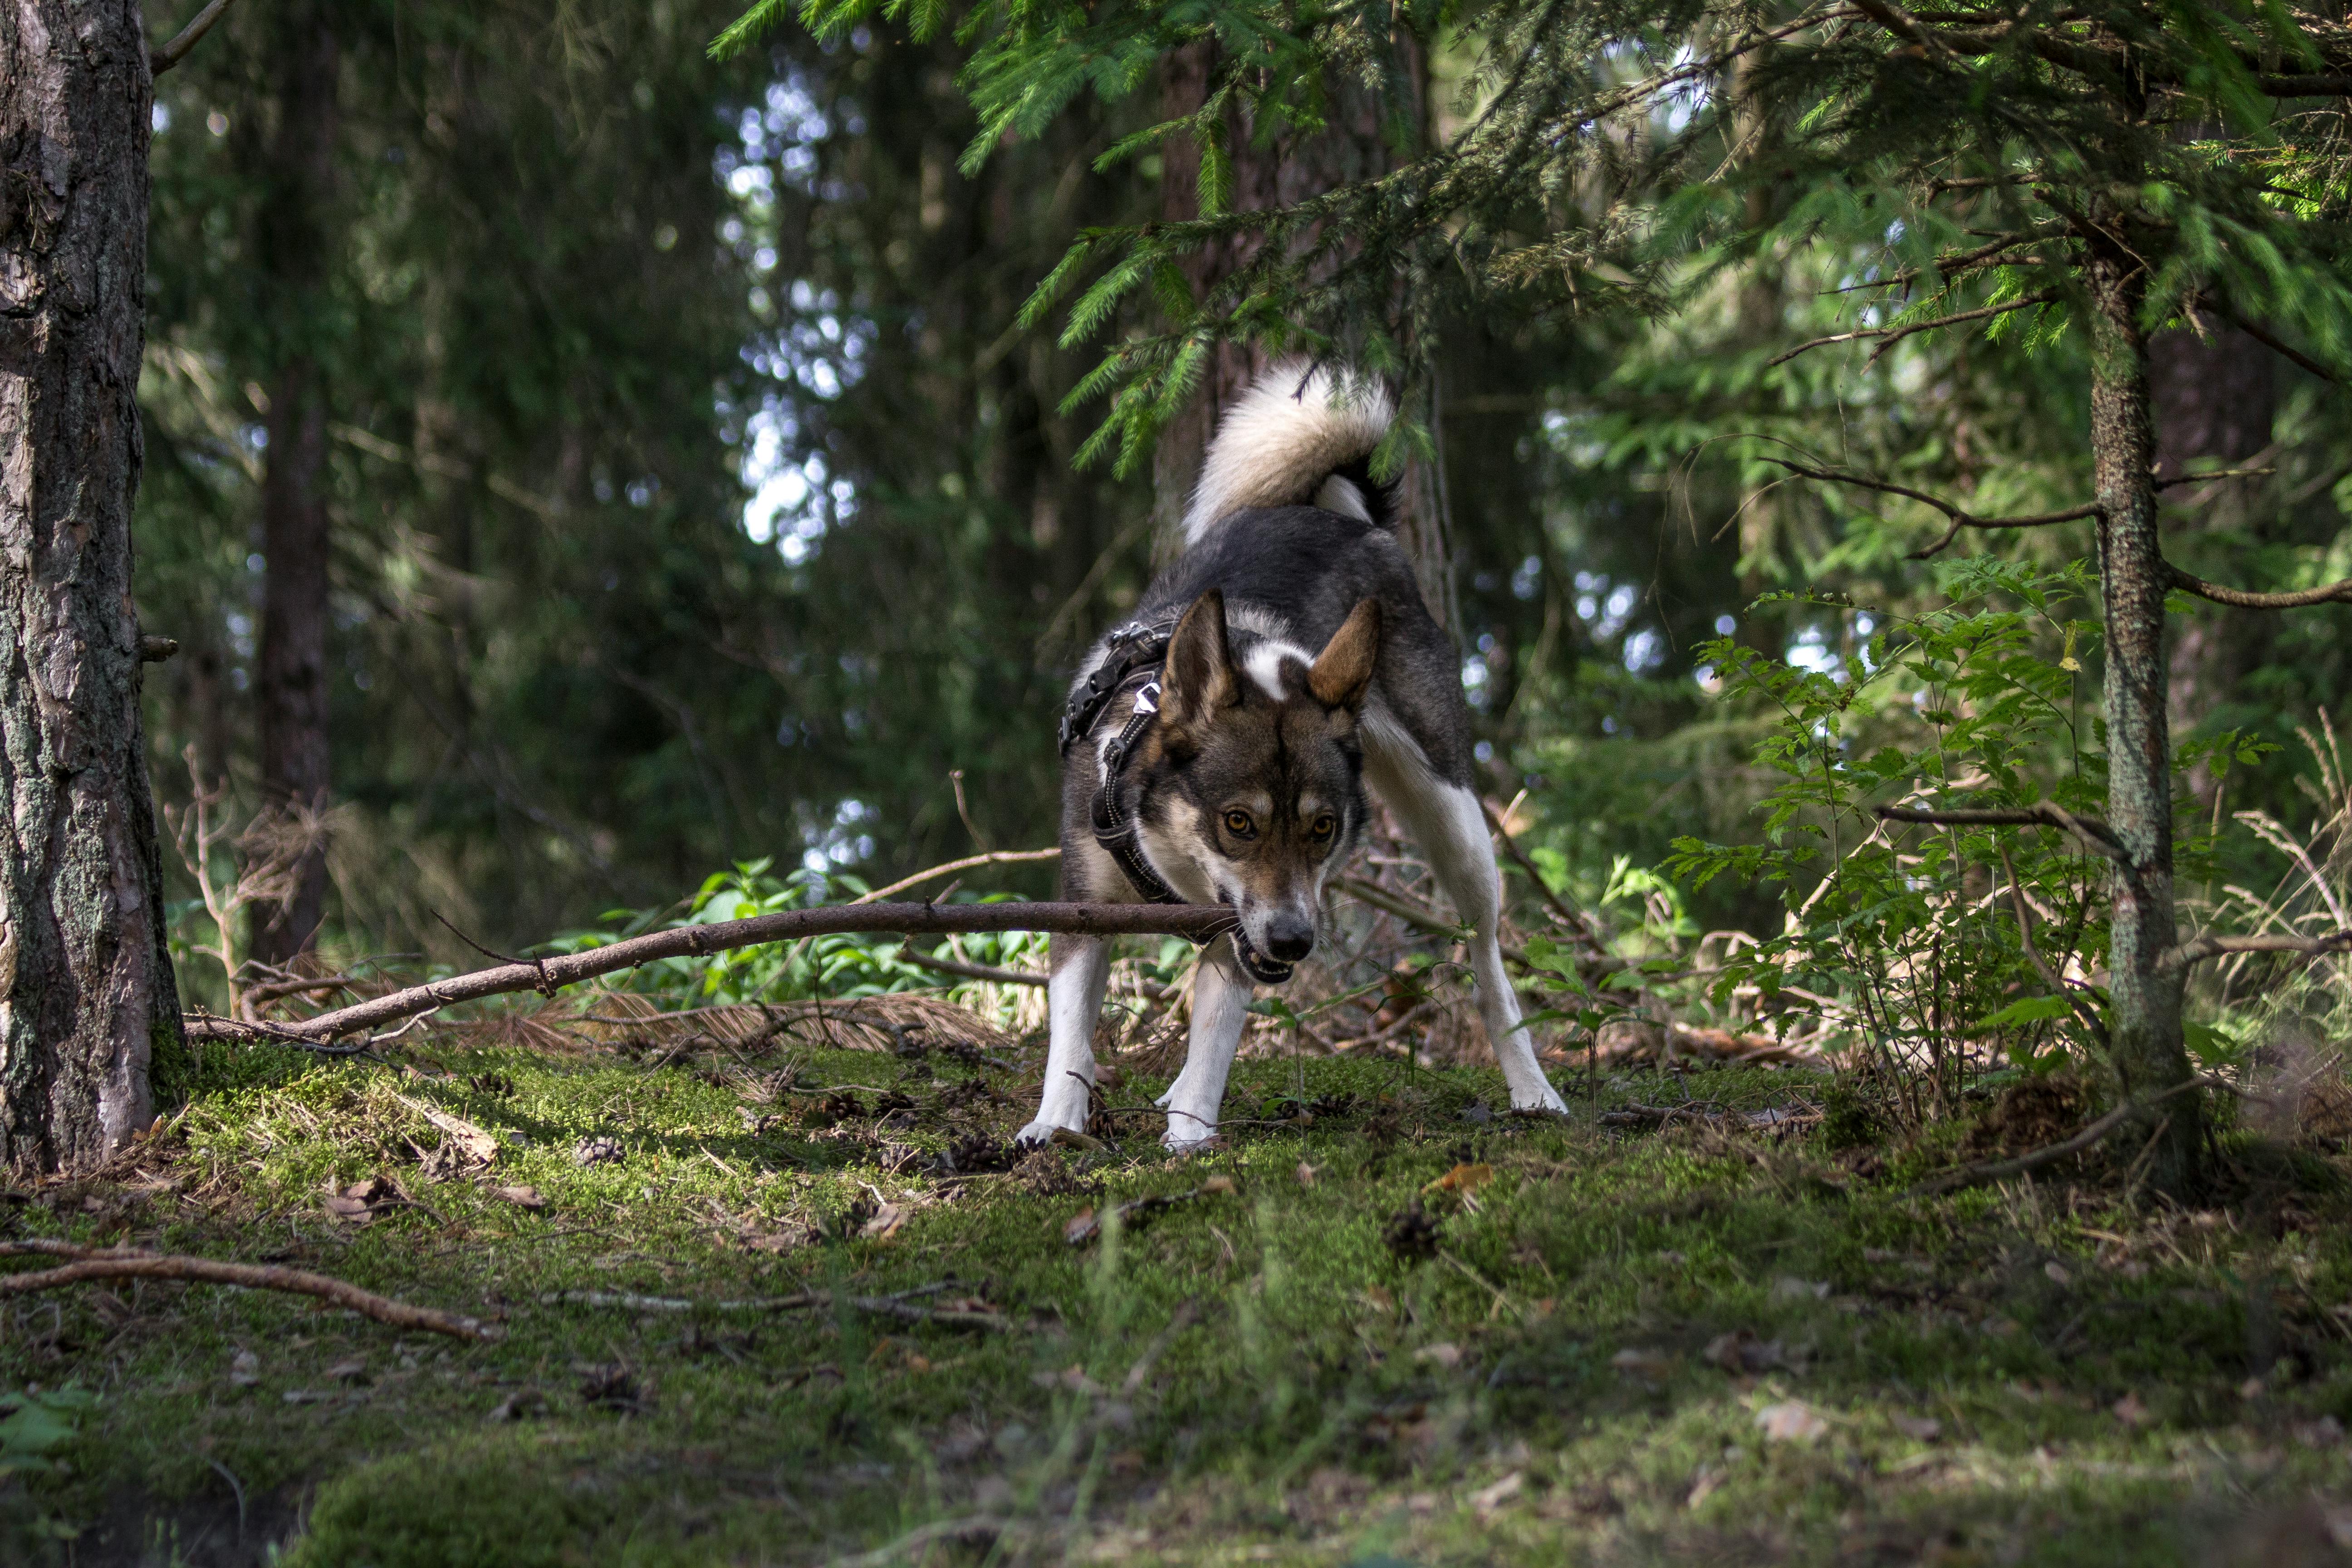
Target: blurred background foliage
696,499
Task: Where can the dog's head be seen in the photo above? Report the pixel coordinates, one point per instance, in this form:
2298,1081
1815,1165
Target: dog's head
1257,788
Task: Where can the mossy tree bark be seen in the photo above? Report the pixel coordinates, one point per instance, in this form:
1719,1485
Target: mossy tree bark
87,998
2144,1022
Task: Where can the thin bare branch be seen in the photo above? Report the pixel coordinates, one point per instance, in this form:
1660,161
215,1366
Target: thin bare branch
2199,949
1892,335
1575,922
1960,517
2095,834
1995,1170
2296,599
973,971
160,60
132,1262
994,857
2050,976
2270,340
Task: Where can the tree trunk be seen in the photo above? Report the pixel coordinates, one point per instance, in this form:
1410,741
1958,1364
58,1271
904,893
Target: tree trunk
87,998
2146,1039
1349,148
292,687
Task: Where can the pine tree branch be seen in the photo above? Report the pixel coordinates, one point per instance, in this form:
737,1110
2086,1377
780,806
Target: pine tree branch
2295,599
1960,518
2270,340
1200,922
2093,833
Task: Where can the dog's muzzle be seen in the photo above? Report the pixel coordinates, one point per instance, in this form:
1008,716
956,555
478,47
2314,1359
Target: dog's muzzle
1266,971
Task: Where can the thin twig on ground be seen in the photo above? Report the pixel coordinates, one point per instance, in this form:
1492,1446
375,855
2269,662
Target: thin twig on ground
2089,1137
132,1262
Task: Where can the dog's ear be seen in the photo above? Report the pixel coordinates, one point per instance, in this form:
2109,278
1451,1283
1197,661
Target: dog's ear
1199,677
1343,670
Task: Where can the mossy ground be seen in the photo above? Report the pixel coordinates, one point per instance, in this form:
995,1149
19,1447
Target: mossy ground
1256,1376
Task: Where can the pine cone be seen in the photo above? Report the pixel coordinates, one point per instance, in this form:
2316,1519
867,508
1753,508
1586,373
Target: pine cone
600,1151
1412,1235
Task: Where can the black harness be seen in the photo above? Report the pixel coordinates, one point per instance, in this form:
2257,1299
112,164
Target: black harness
1135,649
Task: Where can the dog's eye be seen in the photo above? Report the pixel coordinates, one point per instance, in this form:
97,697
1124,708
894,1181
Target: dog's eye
1238,823
1323,826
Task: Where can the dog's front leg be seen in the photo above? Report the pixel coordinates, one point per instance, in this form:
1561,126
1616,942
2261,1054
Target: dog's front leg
1221,999
1080,966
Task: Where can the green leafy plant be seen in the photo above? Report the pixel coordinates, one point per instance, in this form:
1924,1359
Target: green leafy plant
35,1424
843,965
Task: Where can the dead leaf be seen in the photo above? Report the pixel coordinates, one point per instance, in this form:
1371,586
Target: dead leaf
1649,1366
1702,1485
2132,1411
1921,1428
1217,1187
244,1370
1380,1299
1083,1227
346,1371
885,1223
1306,1173
523,1197
363,1200
475,1144
2057,1272
1789,1287
1072,1377
1488,1498
1791,1421
1445,1353
1463,1179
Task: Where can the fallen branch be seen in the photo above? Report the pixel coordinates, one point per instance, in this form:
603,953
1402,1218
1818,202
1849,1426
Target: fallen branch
1995,1170
2200,948
2295,599
130,1263
2093,833
1197,920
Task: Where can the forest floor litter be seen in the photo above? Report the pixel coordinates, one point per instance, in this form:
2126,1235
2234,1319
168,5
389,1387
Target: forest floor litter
803,1306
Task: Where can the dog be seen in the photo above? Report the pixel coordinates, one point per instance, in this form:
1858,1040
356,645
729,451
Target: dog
1216,748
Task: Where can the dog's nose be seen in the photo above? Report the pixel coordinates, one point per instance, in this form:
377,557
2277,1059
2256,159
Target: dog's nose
1289,937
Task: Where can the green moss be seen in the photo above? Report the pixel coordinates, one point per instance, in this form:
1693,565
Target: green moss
1251,1371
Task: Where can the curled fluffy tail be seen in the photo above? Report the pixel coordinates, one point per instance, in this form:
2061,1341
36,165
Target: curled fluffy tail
1299,436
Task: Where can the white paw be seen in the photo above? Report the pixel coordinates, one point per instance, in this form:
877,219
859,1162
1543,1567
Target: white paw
1185,1136
1039,1133
1548,1100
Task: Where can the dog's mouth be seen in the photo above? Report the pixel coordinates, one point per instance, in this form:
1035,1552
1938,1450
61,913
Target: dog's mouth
1264,970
